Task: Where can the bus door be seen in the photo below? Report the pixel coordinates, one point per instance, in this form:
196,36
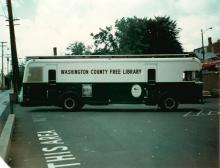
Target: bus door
151,86
51,71
34,89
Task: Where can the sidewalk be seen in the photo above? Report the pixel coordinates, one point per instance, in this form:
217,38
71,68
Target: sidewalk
4,99
6,126
4,108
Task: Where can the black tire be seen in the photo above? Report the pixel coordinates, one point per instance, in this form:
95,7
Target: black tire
168,103
71,103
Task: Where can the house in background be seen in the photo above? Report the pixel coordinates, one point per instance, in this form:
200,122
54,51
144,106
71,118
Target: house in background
211,66
212,51
213,47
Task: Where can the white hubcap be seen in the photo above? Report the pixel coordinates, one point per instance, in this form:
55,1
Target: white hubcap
69,103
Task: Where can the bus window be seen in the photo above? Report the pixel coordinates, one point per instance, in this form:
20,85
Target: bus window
191,76
52,76
35,74
151,75
187,76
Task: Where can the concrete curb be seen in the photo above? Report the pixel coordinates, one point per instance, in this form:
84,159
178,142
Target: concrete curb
3,164
5,137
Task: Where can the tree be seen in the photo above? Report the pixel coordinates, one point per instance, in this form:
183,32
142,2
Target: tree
10,75
78,48
131,34
105,41
162,34
139,36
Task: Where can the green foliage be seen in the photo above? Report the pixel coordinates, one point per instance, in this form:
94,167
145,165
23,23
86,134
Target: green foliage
105,42
21,74
134,36
78,48
139,36
162,34
131,34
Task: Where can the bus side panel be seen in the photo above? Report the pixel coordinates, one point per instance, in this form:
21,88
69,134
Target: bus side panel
185,92
35,94
104,93
122,92
115,93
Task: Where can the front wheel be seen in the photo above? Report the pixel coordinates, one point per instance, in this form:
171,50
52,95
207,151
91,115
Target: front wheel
71,103
168,103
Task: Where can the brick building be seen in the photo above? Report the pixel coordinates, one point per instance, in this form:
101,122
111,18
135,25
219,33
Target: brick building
211,66
213,47
212,50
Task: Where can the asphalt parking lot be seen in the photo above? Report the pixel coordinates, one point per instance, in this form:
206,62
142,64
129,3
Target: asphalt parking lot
117,136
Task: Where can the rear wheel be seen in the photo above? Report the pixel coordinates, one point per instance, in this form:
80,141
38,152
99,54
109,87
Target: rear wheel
168,103
71,103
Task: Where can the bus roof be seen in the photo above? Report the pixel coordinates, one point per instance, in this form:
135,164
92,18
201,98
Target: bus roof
112,56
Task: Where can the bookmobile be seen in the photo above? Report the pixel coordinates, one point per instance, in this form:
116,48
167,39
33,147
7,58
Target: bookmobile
73,81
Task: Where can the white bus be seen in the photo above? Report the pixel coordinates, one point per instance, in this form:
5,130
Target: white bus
72,81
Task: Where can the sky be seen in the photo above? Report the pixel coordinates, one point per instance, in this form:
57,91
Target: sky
45,24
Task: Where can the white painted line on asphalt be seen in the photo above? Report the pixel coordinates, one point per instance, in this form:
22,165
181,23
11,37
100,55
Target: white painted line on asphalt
185,115
214,113
39,119
202,113
55,153
58,153
51,165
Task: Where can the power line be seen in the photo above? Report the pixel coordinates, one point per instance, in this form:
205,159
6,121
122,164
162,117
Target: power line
16,19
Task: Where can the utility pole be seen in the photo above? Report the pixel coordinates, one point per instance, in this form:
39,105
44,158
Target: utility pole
7,65
15,68
8,56
203,48
3,63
